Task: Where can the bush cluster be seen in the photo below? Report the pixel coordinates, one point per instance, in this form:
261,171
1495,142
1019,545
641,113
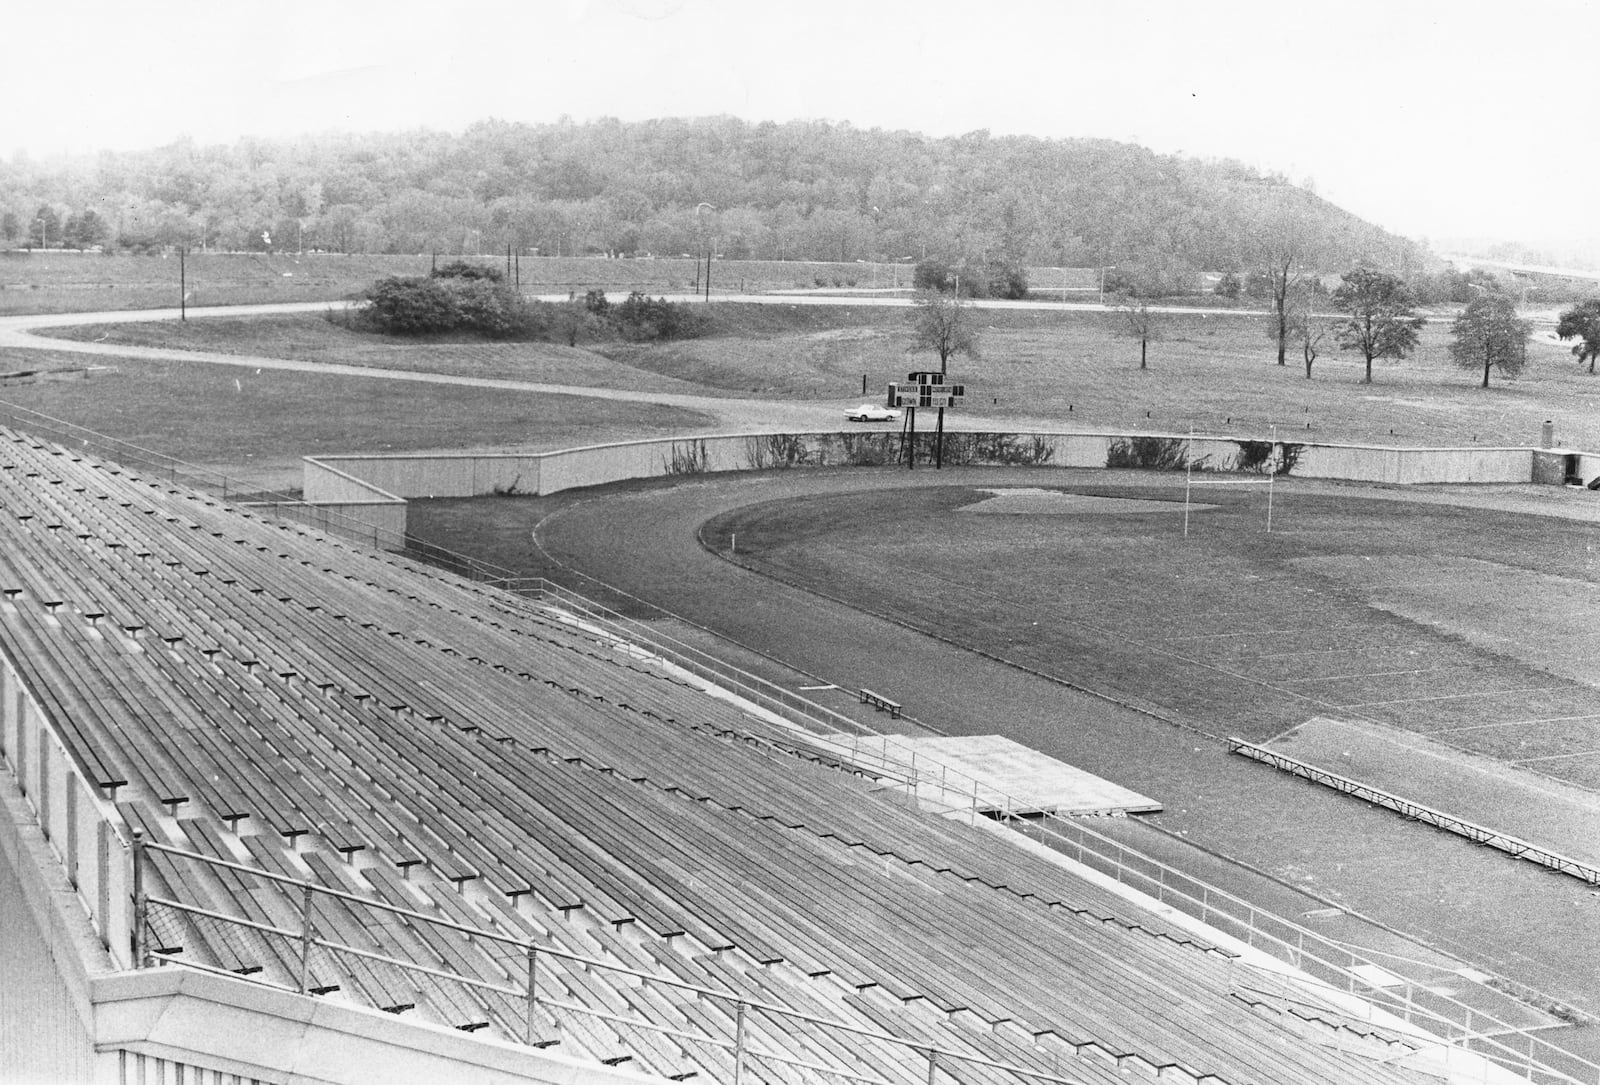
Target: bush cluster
474,299
642,319
971,279
450,300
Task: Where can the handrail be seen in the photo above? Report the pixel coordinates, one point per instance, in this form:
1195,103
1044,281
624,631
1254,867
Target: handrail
534,950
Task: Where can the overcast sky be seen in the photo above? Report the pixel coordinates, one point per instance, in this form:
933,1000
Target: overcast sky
1466,118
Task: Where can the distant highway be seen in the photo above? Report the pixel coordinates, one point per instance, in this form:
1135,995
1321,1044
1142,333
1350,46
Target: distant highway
1523,269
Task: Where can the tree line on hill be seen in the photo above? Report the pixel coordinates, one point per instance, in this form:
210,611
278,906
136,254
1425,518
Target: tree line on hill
801,190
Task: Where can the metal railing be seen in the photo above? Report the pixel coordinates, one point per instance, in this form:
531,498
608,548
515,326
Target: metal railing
1428,815
288,958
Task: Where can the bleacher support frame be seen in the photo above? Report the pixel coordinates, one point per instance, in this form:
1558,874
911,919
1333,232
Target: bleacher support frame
1415,811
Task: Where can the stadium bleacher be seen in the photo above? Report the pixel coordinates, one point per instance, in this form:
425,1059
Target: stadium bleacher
256,693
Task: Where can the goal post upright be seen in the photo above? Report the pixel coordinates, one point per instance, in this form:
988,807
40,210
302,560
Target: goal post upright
1272,473
1188,480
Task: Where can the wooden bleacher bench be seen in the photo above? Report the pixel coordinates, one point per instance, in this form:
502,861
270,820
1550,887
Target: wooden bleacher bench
881,703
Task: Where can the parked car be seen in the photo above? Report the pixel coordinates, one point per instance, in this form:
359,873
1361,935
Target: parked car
868,413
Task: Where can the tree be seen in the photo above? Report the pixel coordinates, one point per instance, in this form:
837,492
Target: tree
1489,333
1283,279
10,227
83,231
1228,285
1582,322
1309,330
1380,323
1143,324
1283,235
940,323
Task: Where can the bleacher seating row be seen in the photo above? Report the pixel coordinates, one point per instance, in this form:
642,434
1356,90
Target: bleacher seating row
256,692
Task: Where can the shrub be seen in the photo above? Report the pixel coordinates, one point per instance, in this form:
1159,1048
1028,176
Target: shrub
460,269
450,303
641,319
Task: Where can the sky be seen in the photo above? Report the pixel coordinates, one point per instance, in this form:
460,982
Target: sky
1435,120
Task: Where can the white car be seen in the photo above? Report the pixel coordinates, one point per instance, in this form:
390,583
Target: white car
868,413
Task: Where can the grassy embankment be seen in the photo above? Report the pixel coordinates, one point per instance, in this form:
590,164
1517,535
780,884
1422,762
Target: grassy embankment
68,282
1214,373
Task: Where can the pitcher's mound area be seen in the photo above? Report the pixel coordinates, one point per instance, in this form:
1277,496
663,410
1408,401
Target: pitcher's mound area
1491,793
1037,501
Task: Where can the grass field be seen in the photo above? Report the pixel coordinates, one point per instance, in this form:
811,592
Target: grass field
1230,630
256,425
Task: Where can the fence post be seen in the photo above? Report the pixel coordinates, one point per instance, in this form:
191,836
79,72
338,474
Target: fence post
306,937
533,994
933,1065
738,1044
141,905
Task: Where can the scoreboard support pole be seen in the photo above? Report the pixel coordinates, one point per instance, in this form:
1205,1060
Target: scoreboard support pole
908,448
938,444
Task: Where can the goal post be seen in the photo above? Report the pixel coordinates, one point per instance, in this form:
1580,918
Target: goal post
1189,481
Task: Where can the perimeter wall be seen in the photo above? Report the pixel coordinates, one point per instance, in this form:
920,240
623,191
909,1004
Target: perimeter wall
370,491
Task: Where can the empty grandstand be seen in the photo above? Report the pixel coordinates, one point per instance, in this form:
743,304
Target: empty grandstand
279,808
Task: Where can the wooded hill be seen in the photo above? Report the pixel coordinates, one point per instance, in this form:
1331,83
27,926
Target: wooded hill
802,190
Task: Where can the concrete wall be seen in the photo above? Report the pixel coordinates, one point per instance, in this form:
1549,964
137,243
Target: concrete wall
217,1025
76,823
46,1019
1414,466
346,479
370,490
363,478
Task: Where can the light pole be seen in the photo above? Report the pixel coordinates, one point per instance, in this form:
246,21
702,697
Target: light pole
1103,269
697,208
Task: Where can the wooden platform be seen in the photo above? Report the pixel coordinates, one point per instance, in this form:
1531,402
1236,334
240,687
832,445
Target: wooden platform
1010,776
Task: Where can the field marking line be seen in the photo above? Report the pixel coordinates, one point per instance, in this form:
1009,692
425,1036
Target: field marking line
1370,674
1450,697
1514,723
1553,757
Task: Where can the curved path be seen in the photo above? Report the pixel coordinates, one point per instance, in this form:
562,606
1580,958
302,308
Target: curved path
1318,847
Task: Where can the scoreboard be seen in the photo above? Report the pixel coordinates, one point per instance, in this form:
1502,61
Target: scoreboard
925,389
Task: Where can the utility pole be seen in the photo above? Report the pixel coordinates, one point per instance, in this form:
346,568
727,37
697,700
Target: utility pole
183,285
